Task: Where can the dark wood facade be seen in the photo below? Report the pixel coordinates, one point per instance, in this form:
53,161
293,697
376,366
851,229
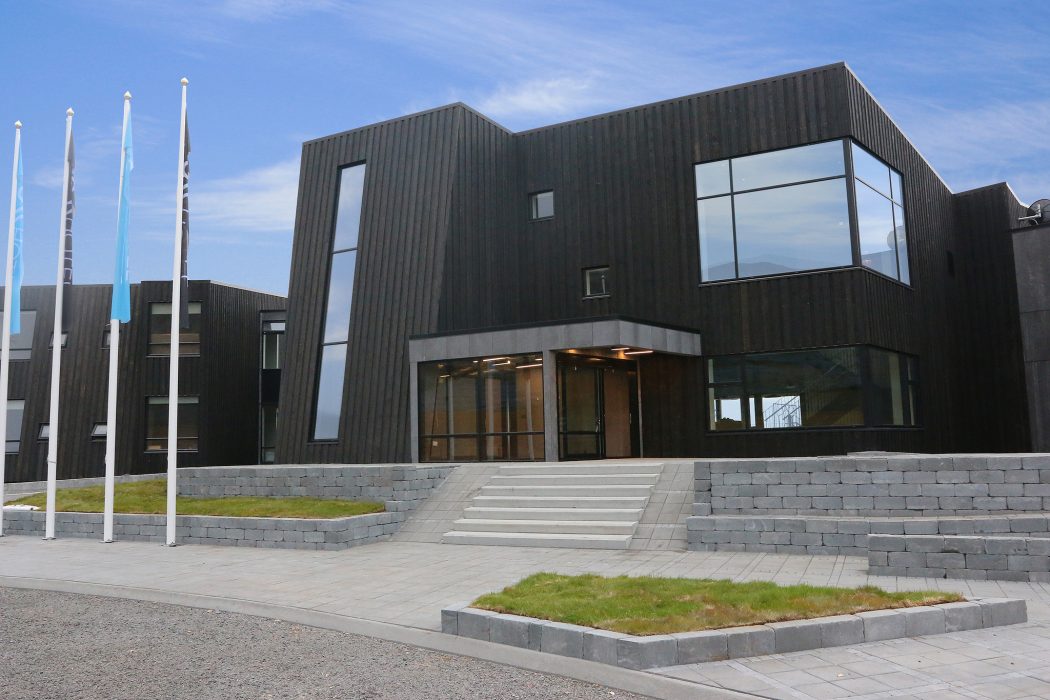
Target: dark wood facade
225,377
447,245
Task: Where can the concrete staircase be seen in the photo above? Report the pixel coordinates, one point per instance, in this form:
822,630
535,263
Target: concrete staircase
580,505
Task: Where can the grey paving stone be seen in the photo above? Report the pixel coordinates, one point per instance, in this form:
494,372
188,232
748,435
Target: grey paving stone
561,639
880,625
700,647
1000,611
923,620
796,635
841,630
474,623
601,646
646,652
512,630
960,617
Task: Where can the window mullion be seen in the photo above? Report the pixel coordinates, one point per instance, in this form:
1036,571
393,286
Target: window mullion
851,200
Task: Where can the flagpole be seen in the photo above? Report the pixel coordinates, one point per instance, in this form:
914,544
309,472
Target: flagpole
114,356
176,306
5,344
56,345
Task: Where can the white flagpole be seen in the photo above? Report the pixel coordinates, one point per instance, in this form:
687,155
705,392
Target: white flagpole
176,305
114,356
56,350
5,344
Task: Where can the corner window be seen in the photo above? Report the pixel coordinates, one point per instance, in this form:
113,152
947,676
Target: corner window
160,330
99,431
821,388
328,408
157,424
541,205
15,411
596,282
880,216
22,342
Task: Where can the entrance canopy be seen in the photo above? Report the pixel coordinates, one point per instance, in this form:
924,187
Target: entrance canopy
479,392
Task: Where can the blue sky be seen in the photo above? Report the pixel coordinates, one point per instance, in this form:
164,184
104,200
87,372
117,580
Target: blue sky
965,80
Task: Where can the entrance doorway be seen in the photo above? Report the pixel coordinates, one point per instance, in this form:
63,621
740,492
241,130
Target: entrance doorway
597,408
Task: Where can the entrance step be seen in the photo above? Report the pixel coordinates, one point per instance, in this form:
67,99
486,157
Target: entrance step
568,527
575,480
589,506
525,539
557,514
591,490
637,502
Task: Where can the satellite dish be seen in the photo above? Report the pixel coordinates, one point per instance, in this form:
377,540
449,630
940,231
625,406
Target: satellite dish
1038,213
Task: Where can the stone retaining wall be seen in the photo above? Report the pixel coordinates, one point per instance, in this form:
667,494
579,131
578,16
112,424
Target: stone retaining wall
279,533
842,535
401,487
896,485
638,652
959,556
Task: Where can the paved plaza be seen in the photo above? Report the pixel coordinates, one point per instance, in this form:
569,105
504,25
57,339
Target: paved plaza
407,583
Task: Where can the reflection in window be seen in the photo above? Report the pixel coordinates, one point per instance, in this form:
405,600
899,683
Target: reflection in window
338,304
541,205
22,342
880,216
828,387
160,330
772,213
485,409
45,432
15,411
157,424
268,435
99,431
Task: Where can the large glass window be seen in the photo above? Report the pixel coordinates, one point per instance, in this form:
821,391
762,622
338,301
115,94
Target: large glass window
820,388
160,330
22,342
343,265
789,211
485,409
15,411
157,424
880,216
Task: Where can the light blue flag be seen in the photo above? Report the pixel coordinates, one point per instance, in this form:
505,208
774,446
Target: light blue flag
121,286
17,272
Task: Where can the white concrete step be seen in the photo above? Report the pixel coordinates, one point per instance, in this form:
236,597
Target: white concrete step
568,527
591,490
570,468
527,539
561,514
488,501
576,480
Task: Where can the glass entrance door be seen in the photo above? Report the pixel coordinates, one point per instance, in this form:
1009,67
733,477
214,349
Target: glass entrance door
597,408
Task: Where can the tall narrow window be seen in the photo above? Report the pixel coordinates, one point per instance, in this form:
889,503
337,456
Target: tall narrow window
330,376
157,424
880,216
15,410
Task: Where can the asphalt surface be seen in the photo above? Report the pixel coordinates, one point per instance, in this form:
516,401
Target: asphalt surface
59,645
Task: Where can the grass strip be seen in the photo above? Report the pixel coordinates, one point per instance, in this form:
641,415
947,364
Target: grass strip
646,605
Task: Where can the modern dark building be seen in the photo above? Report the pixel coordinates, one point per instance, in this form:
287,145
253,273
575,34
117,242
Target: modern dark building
230,364
768,269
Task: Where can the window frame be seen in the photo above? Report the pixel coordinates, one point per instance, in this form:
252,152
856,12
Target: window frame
914,382
533,198
149,331
851,201
166,403
587,294
95,435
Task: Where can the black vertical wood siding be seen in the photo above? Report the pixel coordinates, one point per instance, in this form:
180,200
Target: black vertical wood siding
446,245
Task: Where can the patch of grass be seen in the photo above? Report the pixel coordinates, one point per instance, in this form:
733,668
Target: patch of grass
647,605
150,497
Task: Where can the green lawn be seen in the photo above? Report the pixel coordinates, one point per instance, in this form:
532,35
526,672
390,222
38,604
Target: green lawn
648,605
151,497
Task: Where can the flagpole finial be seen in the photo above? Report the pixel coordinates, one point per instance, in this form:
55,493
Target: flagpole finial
69,112
184,81
127,95
18,125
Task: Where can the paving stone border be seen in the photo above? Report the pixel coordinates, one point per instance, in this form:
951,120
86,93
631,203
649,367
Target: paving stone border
960,556
637,652
875,485
276,533
846,536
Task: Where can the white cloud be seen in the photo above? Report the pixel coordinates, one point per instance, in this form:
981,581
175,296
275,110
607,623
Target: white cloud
261,200
554,97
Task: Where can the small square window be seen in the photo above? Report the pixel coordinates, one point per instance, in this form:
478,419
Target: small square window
65,340
99,431
105,336
541,205
596,282
45,431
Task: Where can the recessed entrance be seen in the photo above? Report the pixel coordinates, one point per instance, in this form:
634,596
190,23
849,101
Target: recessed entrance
597,407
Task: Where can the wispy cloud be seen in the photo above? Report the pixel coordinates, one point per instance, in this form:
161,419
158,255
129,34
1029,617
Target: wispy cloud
261,200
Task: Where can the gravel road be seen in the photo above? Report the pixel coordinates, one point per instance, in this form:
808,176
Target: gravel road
63,646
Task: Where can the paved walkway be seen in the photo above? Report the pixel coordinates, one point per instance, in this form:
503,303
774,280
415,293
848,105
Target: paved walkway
407,583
